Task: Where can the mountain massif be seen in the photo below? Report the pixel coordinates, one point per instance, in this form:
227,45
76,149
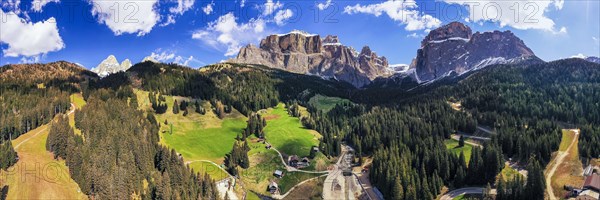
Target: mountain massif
452,48
305,53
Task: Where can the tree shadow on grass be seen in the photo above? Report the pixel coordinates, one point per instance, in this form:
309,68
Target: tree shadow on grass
3,192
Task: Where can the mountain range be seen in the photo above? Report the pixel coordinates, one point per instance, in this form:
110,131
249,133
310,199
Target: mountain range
452,48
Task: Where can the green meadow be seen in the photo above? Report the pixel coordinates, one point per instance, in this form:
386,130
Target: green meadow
195,136
326,103
452,145
287,134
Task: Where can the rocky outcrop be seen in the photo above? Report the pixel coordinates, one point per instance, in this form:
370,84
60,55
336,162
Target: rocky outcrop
453,48
110,65
305,53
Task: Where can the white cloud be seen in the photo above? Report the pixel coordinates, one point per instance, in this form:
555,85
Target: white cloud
242,3
29,39
580,55
323,6
170,20
596,40
558,4
404,12
12,5
227,33
126,17
185,61
519,14
283,15
563,30
31,59
162,56
415,35
270,7
208,8
167,56
182,6
37,5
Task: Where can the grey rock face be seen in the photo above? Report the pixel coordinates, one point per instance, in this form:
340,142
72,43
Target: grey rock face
304,53
453,47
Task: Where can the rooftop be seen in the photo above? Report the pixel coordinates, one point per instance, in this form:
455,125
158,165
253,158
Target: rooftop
592,182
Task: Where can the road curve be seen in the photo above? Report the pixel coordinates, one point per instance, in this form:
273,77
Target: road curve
469,190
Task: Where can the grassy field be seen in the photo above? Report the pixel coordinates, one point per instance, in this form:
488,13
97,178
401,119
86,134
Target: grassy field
44,178
570,170
263,164
287,134
292,178
79,102
326,103
195,136
214,171
508,173
310,190
452,145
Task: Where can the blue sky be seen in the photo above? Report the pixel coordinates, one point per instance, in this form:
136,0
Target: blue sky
197,33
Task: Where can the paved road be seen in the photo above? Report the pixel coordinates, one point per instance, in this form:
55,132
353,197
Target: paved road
347,184
457,138
555,163
485,129
470,190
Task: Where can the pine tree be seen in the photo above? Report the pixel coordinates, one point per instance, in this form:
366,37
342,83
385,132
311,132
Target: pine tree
535,179
461,141
398,189
175,107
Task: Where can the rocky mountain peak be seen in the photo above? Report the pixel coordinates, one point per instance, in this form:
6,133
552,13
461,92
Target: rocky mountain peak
305,53
331,40
454,30
453,48
111,65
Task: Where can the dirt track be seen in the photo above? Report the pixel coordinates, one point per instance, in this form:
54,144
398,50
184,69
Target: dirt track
560,156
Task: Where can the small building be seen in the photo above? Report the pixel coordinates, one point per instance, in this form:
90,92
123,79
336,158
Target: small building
588,195
592,182
315,149
588,170
293,160
305,162
268,146
273,188
278,173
